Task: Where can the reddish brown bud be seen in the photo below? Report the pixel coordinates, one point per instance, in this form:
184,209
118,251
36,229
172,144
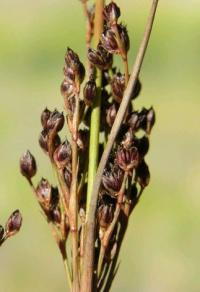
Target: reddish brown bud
82,139
100,58
62,154
55,215
145,120
105,211
128,139
72,59
111,13
47,195
55,121
137,89
127,159
109,41
118,87
143,146
43,140
44,117
74,66
112,180
66,89
151,117
111,113
90,92
28,166
143,174
13,224
124,36
133,121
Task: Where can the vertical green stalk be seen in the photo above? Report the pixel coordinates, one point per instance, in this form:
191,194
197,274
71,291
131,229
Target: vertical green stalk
94,138
88,266
96,110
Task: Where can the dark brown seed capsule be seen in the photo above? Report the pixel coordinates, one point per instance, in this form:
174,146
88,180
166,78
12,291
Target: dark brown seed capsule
143,146
133,121
47,195
73,63
112,180
90,92
55,121
71,59
13,224
151,117
44,117
128,139
44,138
118,87
28,166
109,41
111,113
127,159
62,155
111,13
105,211
55,215
143,174
83,139
124,37
67,89
143,119
136,90
100,58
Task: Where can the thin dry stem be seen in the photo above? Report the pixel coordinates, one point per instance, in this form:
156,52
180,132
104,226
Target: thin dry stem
73,205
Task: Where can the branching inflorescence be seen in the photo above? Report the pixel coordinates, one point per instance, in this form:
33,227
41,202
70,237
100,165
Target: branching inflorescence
91,108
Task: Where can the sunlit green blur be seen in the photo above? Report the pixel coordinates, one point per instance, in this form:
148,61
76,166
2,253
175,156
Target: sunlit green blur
162,248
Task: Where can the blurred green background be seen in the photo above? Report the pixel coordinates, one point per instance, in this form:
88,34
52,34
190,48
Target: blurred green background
161,252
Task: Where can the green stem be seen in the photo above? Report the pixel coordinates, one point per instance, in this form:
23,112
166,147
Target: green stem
94,138
96,110
87,274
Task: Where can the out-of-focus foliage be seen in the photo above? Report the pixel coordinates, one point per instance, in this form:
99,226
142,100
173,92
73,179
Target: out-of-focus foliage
161,252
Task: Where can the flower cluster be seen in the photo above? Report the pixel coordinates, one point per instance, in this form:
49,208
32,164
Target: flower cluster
126,173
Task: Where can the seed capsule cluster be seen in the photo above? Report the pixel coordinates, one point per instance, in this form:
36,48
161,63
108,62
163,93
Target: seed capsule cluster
126,173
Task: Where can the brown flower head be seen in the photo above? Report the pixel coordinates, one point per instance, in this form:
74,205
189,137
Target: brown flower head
127,159
13,224
28,166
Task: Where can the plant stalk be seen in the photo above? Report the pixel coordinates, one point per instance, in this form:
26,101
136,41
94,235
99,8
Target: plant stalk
96,110
73,204
90,236
87,276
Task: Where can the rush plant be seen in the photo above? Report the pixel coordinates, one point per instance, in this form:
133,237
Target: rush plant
101,167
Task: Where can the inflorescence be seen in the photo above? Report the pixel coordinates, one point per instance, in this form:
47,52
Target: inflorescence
126,174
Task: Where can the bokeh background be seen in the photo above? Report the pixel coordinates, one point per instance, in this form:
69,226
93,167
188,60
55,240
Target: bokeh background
162,248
